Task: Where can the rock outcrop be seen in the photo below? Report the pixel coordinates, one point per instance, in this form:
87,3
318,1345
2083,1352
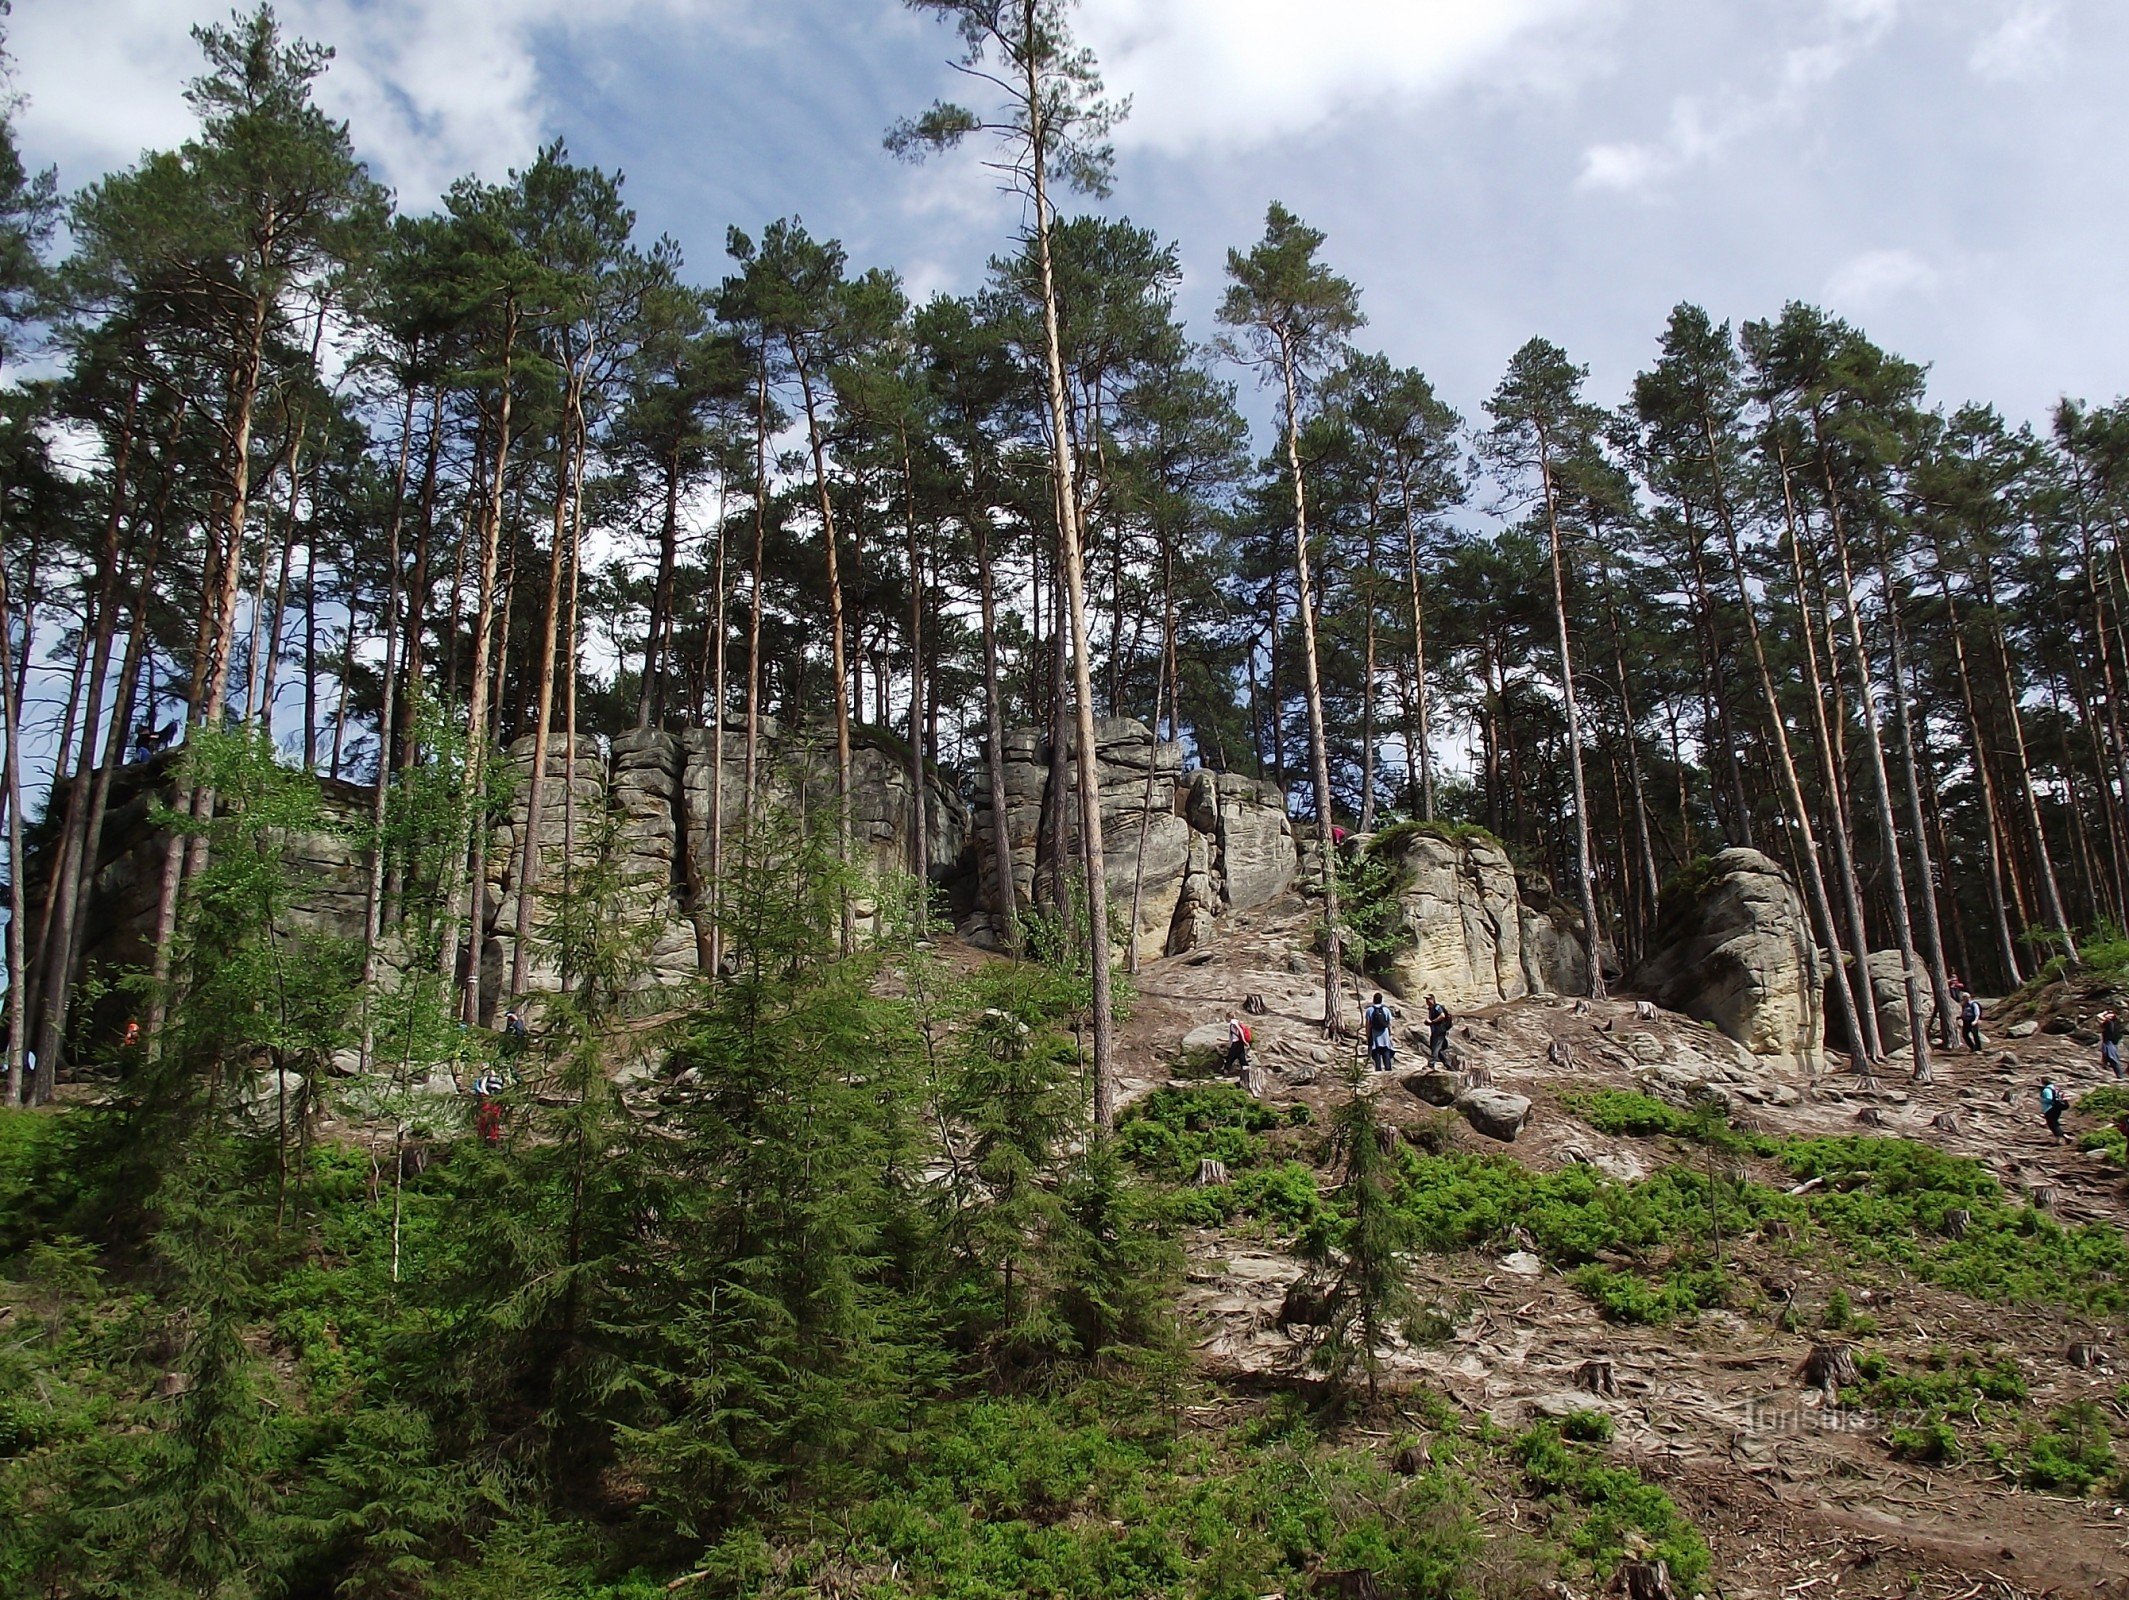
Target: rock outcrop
1208,842
1734,948
1476,932
646,798
1888,994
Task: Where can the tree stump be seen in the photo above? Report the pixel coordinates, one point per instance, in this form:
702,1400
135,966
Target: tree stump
1595,1376
1830,1366
1871,1117
1253,1082
1957,1221
1947,1122
2085,1356
1561,1054
1254,1005
1412,1460
1210,1172
1386,1138
1646,1580
1305,1306
2042,1196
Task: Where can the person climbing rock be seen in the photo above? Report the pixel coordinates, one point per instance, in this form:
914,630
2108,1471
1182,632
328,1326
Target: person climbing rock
1970,1021
2051,1109
1382,1045
513,1034
2110,1042
1439,1022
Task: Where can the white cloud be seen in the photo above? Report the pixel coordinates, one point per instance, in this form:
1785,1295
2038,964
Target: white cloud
1701,129
1877,276
2025,45
1242,73
433,88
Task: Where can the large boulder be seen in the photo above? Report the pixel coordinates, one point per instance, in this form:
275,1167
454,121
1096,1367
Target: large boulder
1888,996
1471,937
1495,1112
1734,948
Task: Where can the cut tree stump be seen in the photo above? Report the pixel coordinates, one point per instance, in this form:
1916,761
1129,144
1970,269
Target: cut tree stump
1646,1580
1957,1221
1596,1376
2042,1196
2084,1356
1254,1005
1211,1172
1830,1366
1412,1460
1871,1117
1947,1122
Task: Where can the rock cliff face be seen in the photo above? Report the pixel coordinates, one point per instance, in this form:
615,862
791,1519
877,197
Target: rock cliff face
1210,841
1477,932
654,790
658,787
1735,949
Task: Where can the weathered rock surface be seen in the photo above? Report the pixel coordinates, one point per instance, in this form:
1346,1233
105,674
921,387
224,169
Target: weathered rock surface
1735,949
1478,934
1495,1112
1194,844
1888,994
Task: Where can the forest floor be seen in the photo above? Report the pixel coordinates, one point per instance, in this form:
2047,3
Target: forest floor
1796,1496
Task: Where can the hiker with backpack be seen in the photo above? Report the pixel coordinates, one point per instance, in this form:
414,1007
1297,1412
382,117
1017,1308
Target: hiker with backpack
2110,1042
2052,1102
1382,1044
1238,1043
1439,1022
1970,1021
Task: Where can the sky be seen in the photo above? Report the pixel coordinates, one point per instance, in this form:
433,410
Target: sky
1944,173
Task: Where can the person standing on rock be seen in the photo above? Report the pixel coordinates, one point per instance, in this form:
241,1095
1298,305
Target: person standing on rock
2051,1104
1970,1022
1237,1046
2110,1042
1382,1044
1439,1022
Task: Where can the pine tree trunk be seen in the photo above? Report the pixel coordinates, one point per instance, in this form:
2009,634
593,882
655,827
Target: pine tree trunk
1584,878
648,697
2007,947
1925,864
464,902
73,868
2044,864
1069,555
750,780
837,644
1318,745
1865,1006
920,846
1425,754
1861,1044
1881,782
17,879
381,790
994,738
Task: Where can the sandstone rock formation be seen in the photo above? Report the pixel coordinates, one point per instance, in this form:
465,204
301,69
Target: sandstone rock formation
1494,1112
645,798
1211,841
1735,948
1477,933
1888,994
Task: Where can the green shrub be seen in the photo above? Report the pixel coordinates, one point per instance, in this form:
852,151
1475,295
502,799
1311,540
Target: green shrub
1931,1441
2075,1454
1601,1512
